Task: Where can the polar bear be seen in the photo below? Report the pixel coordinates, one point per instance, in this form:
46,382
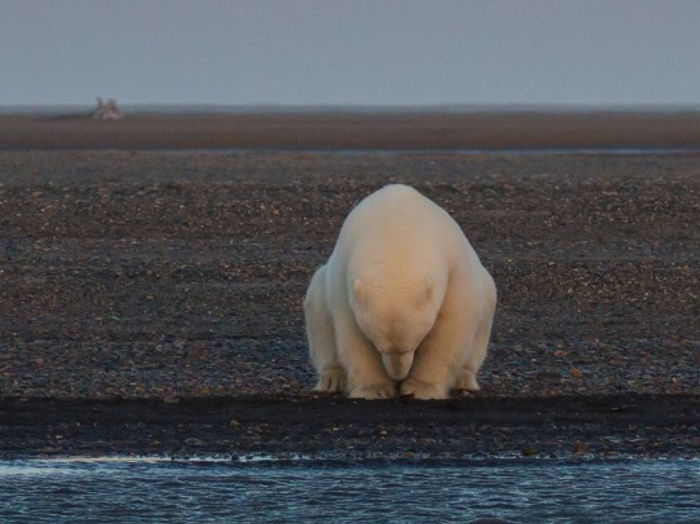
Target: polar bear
403,299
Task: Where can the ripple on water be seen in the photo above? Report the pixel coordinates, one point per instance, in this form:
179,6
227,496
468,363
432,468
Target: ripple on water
148,490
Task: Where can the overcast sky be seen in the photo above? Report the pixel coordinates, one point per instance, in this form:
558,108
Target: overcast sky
350,51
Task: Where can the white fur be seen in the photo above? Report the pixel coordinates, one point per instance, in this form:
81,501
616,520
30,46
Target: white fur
402,299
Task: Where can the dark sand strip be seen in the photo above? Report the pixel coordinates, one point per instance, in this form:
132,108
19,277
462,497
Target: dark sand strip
334,428
357,131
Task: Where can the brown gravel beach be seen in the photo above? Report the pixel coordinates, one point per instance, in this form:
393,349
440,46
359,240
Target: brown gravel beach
136,284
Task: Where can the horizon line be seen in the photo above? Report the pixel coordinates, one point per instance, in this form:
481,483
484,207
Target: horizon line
196,107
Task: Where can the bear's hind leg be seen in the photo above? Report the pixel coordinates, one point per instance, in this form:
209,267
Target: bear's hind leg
467,379
477,351
321,337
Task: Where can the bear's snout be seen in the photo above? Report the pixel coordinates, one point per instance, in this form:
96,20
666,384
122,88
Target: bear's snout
397,365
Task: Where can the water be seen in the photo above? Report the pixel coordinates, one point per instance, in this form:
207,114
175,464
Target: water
210,491
559,151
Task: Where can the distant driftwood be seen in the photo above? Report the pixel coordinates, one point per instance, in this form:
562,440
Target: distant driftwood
107,111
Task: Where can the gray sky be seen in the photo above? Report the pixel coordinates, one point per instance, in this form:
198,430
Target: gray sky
350,52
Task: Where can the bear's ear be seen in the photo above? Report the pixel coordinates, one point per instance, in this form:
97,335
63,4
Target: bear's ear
359,291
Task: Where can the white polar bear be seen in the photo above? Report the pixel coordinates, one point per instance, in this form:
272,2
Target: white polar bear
402,298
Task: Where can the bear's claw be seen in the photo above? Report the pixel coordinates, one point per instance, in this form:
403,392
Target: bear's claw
330,381
381,391
467,382
422,390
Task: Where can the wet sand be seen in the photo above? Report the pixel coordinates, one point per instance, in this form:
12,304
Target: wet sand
352,130
332,428
138,285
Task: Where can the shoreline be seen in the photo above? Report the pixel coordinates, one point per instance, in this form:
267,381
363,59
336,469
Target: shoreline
330,428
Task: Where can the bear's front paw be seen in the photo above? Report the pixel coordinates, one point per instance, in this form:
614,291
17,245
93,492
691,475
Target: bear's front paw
387,390
467,382
422,390
331,380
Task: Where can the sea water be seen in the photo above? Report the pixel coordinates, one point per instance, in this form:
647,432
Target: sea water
156,490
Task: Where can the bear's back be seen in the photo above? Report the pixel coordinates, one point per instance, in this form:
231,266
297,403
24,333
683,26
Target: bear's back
398,232
396,214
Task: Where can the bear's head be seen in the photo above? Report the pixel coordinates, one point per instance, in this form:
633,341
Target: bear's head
395,320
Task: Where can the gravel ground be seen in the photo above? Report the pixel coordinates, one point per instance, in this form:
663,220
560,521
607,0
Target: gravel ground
171,275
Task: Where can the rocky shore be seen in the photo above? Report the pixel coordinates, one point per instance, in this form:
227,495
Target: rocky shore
161,290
